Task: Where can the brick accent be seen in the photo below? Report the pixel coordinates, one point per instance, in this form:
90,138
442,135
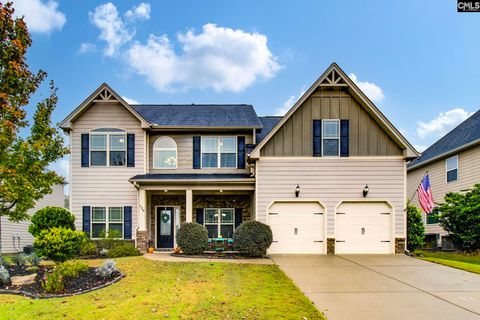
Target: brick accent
142,241
399,245
330,245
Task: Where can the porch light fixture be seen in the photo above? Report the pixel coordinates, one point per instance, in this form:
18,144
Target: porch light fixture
165,190
297,191
365,191
220,190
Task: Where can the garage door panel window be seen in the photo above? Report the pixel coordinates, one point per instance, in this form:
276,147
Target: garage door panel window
219,222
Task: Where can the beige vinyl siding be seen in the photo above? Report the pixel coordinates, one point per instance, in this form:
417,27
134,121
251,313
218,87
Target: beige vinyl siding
185,153
468,175
10,229
367,138
105,186
332,180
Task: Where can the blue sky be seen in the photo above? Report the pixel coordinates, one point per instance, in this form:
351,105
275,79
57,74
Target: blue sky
418,61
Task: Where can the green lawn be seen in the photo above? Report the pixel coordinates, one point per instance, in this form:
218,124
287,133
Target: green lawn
465,262
176,290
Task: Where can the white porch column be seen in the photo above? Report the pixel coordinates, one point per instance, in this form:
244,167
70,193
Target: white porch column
189,205
142,210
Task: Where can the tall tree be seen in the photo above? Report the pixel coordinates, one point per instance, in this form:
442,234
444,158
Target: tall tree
24,177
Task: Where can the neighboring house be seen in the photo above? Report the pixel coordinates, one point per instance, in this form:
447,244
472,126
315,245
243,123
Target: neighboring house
15,235
142,170
452,164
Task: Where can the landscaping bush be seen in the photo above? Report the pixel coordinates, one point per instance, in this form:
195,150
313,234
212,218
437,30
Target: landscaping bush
107,269
192,238
53,283
252,239
59,244
33,259
415,228
3,262
51,217
124,250
89,248
4,275
72,268
459,215
19,259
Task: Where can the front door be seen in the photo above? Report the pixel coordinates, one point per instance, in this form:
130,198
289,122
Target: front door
165,225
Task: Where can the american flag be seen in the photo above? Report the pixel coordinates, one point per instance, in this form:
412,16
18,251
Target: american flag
425,196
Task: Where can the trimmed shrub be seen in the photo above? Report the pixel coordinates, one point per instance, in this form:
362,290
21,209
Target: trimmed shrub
53,283
252,239
34,259
4,275
192,238
59,244
415,228
124,250
3,262
107,269
89,248
51,217
19,259
72,268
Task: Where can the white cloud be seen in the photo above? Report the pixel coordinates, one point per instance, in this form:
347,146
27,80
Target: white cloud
112,29
288,104
442,123
420,147
87,47
61,167
129,100
371,90
219,58
140,12
40,16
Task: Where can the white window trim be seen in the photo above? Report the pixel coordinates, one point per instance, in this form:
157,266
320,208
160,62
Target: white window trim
447,171
219,153
165,149
219,222
107,147
107,221
330,138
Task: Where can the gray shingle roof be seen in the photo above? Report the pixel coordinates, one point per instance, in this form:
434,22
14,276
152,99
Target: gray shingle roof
199,115
268,123
465,133
189,176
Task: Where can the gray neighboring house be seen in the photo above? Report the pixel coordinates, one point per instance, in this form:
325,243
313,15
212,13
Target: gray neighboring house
453,165
328,177
15,235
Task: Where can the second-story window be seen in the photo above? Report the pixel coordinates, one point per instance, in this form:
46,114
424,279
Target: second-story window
452,169
107,148
331,138
219,152
165,153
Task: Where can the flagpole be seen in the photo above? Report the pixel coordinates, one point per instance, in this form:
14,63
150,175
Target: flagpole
416,190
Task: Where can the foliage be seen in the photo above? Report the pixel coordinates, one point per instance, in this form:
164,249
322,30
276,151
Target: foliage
34,260
459,215
19,259
467,257
107,270
104,252
53,282
24,159
4,275
71,269
111,240
3,262
192,238
50,217
124,250
252,238
59,244
89,248
415,228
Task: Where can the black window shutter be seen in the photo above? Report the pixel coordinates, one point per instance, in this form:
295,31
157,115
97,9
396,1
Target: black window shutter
127,222
317,138
344,135
240,152
130,150
200,216
196,152
86,219
85,149
238,217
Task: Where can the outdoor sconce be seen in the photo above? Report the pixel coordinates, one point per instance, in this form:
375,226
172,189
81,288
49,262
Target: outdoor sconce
297,191
365,191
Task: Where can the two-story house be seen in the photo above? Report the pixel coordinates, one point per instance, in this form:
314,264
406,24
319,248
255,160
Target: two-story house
452,164
329,176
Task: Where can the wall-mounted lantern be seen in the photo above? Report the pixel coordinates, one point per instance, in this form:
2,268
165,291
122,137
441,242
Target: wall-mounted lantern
297,191
365,191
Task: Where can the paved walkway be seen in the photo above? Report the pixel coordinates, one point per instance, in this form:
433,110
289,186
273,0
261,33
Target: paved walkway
167,257
384,287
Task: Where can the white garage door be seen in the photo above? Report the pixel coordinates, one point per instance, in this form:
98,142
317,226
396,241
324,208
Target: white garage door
363,228
297,227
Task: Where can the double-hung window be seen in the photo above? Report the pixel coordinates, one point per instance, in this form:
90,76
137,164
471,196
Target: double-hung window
331,138
452,169
108,148
219,152
219,222
107,221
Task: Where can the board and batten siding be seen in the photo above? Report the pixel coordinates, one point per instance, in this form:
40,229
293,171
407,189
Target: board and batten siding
104,186
10,229
185,153
366,137
332,180
468,175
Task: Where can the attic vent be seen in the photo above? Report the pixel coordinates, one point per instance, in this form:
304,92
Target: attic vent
333,79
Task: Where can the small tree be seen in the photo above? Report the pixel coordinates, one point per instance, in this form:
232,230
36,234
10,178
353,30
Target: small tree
59,244
192,238
460,216
415,228
50,217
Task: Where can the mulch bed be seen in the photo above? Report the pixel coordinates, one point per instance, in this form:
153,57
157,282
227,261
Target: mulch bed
214,256
85,282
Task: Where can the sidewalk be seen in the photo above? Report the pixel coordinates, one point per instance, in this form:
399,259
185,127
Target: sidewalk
167,257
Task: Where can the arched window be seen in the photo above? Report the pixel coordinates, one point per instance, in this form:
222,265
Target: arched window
165,153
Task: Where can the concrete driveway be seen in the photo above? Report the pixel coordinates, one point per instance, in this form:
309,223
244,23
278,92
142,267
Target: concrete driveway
383,287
